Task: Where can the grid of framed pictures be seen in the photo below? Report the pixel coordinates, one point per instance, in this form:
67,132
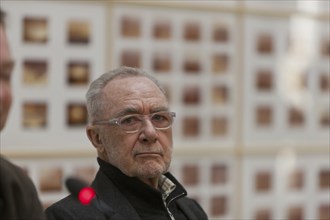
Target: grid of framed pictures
56,59
286,187
287,85
209,180
193,55
281,93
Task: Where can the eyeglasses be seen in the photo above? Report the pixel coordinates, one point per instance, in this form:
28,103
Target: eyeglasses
133,123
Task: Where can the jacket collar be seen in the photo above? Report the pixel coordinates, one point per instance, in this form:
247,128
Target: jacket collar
133,186
109,194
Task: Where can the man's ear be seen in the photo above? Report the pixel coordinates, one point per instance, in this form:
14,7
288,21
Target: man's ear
94,137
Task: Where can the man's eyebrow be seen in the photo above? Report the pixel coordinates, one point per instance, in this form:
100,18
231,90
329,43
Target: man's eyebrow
127,111
159,109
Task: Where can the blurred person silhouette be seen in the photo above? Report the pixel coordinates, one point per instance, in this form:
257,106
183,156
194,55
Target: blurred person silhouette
18,196
130,125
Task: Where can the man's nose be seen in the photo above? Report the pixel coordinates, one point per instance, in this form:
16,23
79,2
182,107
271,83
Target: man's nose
148,131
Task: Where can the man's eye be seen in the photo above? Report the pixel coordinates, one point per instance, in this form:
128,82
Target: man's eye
129,120
158,117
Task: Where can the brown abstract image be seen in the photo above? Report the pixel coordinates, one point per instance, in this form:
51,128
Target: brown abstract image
79,32
76,114
34,115
50,179
35,72
78,73
130,27
35,30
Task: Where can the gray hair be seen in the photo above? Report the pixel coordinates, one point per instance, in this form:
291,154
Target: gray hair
94,95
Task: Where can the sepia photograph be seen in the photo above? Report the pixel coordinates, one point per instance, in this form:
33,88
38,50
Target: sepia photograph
35,30
162,29
76,114
35,115
78,73
130,26
78,32
35,72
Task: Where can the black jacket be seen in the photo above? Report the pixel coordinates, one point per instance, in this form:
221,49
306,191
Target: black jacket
128,198
18,196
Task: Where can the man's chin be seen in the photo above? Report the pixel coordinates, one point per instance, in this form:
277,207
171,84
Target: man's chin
151,170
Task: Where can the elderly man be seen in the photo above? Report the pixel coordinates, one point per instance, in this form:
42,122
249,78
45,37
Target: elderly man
130,127
18,196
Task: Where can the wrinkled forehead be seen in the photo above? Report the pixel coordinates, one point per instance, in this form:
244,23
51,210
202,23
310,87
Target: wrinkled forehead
135,86
133,95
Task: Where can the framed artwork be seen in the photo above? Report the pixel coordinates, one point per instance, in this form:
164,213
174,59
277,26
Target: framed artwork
162,29
56,57
295,117
263,214
324,118
219,205
263,181
220,33
264,80
323,211
191,126
35,115
192,64
130,26
51,179
325,47
76,114
35,29
131,58
324,179
191,174
324,82
78,73
219,126
162,62
220,94
296,179
220,63
191,95
219,174
79,32
295,212
264,116
192,31
35,72
265,44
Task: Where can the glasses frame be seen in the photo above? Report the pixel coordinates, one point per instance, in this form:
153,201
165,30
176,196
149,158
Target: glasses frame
116,121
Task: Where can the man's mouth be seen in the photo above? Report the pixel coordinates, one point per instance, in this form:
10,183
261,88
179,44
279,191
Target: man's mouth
147,154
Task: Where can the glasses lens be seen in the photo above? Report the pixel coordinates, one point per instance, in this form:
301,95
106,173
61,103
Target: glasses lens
131,122
162,119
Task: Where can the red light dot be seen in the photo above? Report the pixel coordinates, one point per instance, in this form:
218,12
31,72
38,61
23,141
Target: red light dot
86,195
